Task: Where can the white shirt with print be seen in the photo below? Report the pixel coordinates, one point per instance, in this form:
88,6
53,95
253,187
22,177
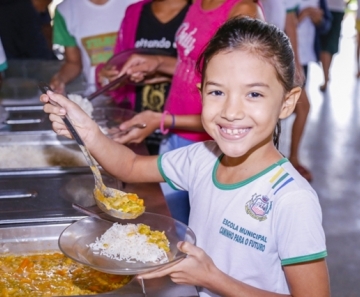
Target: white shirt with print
252,228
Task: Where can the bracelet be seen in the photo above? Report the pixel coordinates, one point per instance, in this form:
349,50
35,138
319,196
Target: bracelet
166,131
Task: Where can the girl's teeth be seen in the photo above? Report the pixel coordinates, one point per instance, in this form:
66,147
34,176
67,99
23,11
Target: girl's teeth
234,131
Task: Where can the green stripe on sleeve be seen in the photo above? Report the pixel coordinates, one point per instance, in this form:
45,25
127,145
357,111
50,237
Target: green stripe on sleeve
164,175
303,259
61,34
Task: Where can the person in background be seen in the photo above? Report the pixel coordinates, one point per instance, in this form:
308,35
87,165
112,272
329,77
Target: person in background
20,31
41,7
329,42
257,221
275,12
147,25
303,106
314,20
87,29
3,63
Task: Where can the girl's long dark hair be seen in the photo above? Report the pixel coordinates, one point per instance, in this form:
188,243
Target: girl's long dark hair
264,40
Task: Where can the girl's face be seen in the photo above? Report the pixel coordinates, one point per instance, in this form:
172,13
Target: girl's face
242,102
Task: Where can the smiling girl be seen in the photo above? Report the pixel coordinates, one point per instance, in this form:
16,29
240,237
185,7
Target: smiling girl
257,220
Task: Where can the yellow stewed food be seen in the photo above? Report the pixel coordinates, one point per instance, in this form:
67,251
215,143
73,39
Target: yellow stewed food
128,203
53,274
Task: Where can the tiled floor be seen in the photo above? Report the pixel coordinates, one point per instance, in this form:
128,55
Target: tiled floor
331,149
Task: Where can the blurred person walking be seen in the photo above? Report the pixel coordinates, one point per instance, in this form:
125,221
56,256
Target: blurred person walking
330,41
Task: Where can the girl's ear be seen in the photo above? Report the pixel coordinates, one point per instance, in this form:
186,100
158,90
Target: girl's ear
290,101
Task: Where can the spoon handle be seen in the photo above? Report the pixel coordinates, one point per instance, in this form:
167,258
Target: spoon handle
107,87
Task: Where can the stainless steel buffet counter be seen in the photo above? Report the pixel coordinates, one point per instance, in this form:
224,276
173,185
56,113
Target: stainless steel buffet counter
36,194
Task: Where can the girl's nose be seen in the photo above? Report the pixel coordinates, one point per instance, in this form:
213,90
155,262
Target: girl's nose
233,109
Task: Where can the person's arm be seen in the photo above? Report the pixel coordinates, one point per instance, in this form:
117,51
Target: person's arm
152,120
314,13
72,65
247,8
116,159
69,70
291,23
141,66
324,26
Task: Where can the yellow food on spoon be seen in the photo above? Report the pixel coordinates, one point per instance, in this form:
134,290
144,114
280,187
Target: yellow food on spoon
128,203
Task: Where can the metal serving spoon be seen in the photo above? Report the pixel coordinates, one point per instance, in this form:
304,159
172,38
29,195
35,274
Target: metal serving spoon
101,191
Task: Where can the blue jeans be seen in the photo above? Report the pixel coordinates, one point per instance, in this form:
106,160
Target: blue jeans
177,201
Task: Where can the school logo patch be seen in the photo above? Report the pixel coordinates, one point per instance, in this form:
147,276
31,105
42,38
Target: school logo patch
258,207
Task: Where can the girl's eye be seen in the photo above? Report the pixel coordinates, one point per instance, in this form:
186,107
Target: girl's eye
254,95
216,93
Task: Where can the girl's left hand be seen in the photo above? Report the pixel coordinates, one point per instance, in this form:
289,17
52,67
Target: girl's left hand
193,270
150,118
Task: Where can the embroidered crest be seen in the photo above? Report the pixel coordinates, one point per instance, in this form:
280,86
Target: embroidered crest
258,207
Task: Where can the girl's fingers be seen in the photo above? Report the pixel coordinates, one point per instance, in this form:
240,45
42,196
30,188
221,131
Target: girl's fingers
165,270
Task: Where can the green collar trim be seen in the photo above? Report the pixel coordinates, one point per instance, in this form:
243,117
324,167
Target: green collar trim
244,182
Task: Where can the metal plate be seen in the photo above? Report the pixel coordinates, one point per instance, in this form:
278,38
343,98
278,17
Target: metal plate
74,242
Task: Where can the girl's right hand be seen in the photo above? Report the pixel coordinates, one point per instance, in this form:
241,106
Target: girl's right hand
84,125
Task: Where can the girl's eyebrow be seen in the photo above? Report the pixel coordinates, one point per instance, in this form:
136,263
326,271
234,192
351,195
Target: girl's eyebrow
257,84
211,83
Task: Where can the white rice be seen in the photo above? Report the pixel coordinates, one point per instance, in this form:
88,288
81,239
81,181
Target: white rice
83,102
123,242
33,156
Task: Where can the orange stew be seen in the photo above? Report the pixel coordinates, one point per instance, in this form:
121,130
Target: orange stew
53,274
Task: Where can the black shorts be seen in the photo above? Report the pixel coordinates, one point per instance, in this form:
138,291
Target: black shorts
329,42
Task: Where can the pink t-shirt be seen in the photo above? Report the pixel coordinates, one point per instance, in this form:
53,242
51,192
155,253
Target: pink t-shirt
191,38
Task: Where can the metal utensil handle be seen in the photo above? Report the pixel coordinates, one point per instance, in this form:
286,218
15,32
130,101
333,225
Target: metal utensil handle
107,87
